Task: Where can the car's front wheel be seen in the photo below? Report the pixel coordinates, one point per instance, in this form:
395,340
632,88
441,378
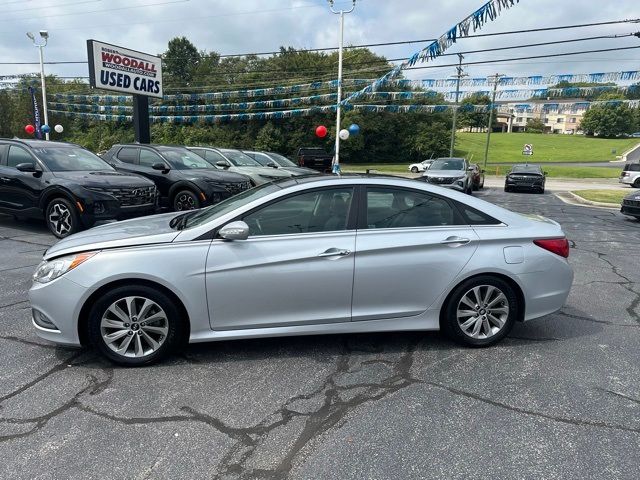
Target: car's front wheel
414,169
135,325
480,312
61,217
185,200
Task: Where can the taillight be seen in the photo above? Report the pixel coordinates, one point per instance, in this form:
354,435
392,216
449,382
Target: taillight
625,174
301,161
559,246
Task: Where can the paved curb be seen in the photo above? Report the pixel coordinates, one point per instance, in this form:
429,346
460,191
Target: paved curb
573,199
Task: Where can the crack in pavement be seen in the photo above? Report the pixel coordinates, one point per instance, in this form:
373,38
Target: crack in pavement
594,320
18,268
28,342
13,304
554,418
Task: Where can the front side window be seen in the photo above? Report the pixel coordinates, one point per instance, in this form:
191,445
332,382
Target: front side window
183,159
400,208
240,159
213,157
18,155
149,158
317,211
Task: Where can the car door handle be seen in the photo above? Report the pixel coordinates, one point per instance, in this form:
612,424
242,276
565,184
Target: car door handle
335,252
455,241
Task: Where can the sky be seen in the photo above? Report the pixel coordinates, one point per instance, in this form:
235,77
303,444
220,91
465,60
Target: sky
243,26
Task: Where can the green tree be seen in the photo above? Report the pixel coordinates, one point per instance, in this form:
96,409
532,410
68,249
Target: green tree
535,125
269,139
609,120
179,62
431,140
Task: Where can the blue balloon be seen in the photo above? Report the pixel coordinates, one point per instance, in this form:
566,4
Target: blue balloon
354,129
45,128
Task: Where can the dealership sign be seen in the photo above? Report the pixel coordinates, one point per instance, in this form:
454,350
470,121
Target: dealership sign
123,70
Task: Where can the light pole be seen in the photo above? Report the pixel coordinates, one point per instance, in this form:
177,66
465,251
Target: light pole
496,80
459,75
336,159
45,35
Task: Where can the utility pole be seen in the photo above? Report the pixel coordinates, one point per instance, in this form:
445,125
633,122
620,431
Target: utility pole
336,160
45,36
459,75
496,80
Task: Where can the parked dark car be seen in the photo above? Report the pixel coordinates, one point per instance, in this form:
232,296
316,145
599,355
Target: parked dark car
275,160
525,177
315,158
68,186
477,176
185,180
631,205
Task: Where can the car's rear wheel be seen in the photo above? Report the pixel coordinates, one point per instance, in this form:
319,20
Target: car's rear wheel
185,200
135,325
61,217
636,183
480,312
414,169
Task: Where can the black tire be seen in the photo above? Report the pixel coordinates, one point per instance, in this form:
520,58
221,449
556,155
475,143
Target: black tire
414,170
175,328
185,200
449,319
636,183
469,190
507,189
61,217
474,187
481,185
541,191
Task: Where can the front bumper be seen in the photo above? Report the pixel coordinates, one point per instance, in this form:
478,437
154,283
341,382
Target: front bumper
459,185
630,208
60,301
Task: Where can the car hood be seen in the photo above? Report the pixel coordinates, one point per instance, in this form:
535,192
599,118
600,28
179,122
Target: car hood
137,231
299,170
445,173
104,178
211,174
264,171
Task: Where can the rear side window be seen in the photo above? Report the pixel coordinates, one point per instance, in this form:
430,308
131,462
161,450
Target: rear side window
632,167
128,154
18,155
400,208
475,217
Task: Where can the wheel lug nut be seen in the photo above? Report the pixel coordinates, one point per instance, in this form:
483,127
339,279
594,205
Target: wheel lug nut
126,325
143,324
129,332
139,332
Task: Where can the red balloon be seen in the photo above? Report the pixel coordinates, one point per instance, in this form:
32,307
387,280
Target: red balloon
321,131
30,129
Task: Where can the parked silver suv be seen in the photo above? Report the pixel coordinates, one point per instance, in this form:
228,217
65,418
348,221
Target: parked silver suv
631,175
450,173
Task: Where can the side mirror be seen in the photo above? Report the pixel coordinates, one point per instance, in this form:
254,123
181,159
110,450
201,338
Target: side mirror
235,231
161,166
482,171
26,167
272,165
222,164
545,173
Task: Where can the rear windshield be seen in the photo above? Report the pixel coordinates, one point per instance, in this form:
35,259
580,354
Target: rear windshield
526,169
632,167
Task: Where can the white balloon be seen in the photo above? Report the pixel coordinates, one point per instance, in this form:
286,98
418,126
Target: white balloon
58,128
344,134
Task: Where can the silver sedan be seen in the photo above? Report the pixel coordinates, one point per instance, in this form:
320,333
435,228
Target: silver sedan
312,255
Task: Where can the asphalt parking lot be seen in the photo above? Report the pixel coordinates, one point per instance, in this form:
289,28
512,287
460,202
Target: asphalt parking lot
559,398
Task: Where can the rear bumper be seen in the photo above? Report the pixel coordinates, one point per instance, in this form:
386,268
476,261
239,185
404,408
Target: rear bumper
524,186
546,291
626,180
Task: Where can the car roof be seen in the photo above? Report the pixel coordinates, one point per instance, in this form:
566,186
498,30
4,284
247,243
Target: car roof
33,143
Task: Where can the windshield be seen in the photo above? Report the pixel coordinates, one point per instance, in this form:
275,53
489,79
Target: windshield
281,160
183,159
240,159
228,205
70,159
447,164
525,169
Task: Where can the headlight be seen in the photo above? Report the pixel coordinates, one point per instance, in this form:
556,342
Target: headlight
50,270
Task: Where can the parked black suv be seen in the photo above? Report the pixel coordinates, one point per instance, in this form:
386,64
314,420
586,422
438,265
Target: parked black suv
68,186
185,180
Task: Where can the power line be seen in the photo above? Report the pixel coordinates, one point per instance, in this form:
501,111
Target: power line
380,44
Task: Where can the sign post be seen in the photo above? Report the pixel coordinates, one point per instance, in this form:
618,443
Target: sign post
127,71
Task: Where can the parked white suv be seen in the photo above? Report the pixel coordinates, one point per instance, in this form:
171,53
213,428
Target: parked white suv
631,175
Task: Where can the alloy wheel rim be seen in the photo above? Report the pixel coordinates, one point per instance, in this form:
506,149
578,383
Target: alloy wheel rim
134,327
185,202
482,312
60,218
